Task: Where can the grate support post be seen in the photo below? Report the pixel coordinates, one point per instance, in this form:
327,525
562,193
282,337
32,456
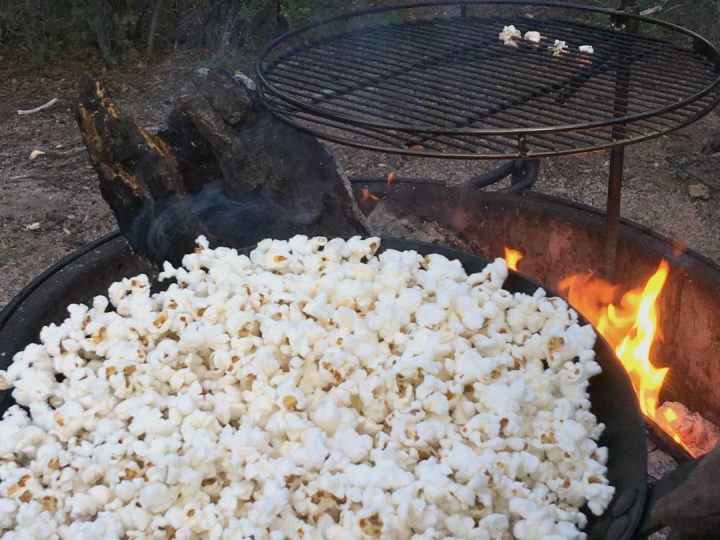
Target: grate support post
617,154
612,215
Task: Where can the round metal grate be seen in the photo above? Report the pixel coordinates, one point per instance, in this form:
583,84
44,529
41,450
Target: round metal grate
434,79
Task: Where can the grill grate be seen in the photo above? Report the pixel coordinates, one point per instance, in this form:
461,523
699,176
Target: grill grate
434,79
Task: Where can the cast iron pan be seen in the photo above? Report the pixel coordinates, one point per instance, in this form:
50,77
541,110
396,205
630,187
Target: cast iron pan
89,272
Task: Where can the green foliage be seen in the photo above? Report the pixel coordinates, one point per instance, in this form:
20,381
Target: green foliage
42,29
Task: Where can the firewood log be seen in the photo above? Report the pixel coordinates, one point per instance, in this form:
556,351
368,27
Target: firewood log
224,167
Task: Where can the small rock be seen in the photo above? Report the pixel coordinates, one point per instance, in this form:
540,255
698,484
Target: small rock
711,144
33,226
699,191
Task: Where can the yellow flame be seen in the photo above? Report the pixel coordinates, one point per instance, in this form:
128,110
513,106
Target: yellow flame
634,350
513,257
666,419
629,322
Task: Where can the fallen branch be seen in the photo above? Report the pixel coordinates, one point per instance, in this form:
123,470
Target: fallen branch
47,105
76,151
55,153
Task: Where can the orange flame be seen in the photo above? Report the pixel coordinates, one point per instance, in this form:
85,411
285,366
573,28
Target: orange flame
513,257
665,420
368,195
630,325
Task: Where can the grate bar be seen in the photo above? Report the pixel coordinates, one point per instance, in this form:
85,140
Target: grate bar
338,81
580,111
577,69
510,79
431,84
695,72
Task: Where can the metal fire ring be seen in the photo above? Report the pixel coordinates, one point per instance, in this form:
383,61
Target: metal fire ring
434,79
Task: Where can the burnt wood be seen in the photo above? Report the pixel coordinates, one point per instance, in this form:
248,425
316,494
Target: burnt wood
692,509
224,167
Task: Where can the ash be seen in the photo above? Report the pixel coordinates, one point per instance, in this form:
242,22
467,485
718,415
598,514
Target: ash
659,464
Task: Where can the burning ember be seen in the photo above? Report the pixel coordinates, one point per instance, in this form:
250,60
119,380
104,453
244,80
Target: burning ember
368,195
628,321
687,428
513,257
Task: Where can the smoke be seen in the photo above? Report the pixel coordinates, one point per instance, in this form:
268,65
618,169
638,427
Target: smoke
166,229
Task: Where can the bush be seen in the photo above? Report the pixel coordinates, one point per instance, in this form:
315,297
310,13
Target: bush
123,29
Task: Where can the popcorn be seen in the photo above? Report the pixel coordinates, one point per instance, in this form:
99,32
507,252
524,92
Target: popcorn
310,390
558,48
532,36
510,36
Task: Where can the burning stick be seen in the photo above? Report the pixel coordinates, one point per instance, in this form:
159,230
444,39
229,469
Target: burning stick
689,429
368,195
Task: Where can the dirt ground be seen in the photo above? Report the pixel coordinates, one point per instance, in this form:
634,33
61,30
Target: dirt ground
50,206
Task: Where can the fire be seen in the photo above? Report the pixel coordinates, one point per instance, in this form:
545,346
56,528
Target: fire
628,320
368,195
665,420
513,257
630,325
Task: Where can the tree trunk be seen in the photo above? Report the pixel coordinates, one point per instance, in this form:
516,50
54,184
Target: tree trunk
157,8
98,23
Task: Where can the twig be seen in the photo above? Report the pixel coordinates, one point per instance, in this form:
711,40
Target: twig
153,27
49,104
651,11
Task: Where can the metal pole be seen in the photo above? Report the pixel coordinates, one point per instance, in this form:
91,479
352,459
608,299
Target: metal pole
608,266
612,215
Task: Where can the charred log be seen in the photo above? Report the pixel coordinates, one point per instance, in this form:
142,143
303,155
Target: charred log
224,167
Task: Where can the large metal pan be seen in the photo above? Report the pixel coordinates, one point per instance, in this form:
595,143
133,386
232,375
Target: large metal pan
89,271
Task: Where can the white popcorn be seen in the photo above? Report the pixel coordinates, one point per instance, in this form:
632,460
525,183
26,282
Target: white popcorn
310,390
558,48
532,36
510,35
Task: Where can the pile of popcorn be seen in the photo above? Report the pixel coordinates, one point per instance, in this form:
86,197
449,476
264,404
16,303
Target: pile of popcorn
311,390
